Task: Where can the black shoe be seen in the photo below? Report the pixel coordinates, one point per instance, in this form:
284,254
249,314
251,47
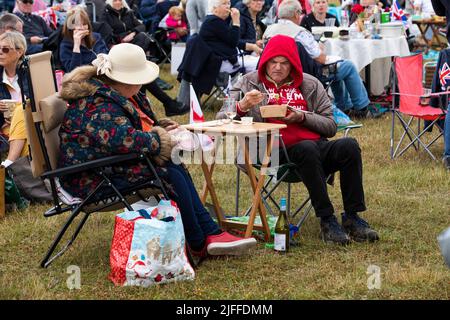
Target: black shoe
332,232
446,163
175,108
359,114
163,85
358,229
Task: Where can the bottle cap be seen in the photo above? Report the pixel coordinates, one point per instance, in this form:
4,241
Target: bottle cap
283,203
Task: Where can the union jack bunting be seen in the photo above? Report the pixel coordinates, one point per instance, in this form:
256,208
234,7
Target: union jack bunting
444,74
398,14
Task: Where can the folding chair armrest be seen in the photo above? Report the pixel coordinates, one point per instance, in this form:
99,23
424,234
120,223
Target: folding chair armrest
89,165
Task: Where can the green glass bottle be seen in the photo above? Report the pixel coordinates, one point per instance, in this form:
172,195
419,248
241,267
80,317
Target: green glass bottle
281,241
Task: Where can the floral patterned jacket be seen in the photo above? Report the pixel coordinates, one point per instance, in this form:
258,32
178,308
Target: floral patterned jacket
99,122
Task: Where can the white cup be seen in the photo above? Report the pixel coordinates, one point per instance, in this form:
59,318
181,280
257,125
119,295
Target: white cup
11,107
247,121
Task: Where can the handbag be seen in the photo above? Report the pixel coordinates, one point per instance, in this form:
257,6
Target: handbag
30,187
148,247
12,198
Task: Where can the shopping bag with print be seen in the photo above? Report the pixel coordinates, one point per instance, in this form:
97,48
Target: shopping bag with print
148,247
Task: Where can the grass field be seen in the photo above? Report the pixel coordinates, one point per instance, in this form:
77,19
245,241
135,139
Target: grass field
408,202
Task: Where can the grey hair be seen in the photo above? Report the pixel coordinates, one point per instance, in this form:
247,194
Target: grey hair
16,40
124,3
9,21
288,9
213,4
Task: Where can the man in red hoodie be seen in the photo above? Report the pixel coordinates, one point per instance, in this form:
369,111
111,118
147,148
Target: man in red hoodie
280,80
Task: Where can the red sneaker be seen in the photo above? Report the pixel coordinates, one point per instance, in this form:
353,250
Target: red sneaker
227,244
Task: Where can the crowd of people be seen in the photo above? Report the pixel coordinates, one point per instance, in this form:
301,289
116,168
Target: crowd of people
127,36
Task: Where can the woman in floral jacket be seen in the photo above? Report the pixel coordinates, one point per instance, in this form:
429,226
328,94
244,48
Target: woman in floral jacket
106,116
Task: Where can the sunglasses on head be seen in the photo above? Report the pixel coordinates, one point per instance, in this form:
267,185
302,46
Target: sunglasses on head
27,1
5,50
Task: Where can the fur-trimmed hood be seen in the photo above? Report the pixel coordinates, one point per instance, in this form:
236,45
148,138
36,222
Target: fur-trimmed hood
76,84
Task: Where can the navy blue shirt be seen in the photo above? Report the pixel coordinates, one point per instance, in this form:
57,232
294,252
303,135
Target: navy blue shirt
70,60
221,37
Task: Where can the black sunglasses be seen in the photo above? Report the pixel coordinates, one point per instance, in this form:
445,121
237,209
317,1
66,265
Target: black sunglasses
6,50
27,1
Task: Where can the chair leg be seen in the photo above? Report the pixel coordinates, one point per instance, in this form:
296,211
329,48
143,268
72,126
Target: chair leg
48,259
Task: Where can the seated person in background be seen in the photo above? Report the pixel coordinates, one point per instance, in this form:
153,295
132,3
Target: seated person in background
10,22
121,121
348,89
252,28
221,32
13,47
34,27
80,45
318,15
126,27
175,21
280,75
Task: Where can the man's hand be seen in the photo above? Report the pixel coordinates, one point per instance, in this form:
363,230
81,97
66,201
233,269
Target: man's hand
35,40
294,117
251,99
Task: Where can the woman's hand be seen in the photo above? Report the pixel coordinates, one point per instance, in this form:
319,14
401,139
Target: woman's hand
78,36
3,106
251,99
168,124
129,37
165,147
257,50
235,16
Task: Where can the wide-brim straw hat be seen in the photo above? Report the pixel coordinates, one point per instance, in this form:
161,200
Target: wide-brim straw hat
129,65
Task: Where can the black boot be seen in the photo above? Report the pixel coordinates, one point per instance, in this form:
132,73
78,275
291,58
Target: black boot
175,108
332,232
163,85
358,229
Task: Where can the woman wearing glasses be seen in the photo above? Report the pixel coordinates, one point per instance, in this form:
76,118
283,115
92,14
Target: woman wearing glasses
12,50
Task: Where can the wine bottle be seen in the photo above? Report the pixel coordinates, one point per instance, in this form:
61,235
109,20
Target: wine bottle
281,239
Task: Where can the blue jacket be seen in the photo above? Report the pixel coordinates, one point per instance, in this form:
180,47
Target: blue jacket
70,60
147,9
247,29
437,86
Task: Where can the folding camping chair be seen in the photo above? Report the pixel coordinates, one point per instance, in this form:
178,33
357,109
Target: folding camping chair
44,113
408,75
286,173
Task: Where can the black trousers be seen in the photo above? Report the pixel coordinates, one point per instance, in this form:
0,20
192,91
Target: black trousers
317,159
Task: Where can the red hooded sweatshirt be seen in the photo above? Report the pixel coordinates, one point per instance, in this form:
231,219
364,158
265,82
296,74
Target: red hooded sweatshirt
289,92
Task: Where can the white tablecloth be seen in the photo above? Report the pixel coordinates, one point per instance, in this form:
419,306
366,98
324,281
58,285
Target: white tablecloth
363,52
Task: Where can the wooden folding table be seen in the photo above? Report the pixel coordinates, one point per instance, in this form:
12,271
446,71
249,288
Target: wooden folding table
243,133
